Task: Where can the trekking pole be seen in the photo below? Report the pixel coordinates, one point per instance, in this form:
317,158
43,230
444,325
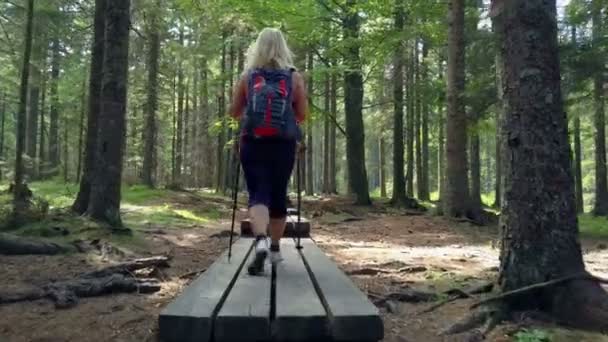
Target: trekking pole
298,185
235,193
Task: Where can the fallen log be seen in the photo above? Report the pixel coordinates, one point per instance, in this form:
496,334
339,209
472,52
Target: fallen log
14,245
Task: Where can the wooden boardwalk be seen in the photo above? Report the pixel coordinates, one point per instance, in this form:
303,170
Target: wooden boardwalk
304,298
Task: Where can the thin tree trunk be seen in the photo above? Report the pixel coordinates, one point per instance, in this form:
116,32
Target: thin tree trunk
220,115
475,194
353,101
19,194
2,124
195,136
42,124
309,128
66,159
150,129
229,174
174,131
54,116
34,94
79,152
456,201
382,168
326,136
540,231
409,175
96,75
179,142
333,168
441,155
209,168
399,195
186,143
601,182
424,182
418,120
104,203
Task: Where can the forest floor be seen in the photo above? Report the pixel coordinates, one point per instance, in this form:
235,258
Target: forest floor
382,249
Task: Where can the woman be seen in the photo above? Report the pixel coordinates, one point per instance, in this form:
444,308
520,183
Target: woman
271,102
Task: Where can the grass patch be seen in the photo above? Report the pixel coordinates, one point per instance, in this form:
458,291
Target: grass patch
594,227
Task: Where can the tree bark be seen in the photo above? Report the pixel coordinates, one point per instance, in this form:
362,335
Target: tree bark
382,168
475,194
418,120
219,172
19,191
326,135
333,168
539,221
186,143
179,142
79,152
441,156
353,99
2,124
409,175
42,125
66,159
456,201
601,182
54,115
309,127
399,195
104,203
81,203
424,182
150,129
578,172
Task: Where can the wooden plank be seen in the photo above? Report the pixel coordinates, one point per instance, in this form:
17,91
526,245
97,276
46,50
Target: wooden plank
190,316
289,229
352,316
300,315
245,315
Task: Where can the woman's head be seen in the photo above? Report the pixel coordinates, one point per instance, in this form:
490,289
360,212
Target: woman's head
270,50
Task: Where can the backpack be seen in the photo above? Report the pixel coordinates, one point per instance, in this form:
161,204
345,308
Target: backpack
269,112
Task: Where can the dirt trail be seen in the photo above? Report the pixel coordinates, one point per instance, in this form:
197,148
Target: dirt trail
424,252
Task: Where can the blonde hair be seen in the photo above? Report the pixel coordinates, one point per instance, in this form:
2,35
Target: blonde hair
270,50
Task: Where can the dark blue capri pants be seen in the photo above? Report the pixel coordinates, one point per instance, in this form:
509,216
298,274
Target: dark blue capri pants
267,165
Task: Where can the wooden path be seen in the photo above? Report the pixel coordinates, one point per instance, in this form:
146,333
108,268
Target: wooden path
304,298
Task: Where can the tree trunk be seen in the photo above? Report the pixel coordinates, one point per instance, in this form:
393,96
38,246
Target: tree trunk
456,201
209,168
2,124
475,194
221,100
309,134
500,109
399,195
104,203
66,159
540,231
19,191
42,125
179,142
326,136
228,161
34,93
441,155
382,168
195,136
54,115
186,143
150,129
578,172
353,99
409,175
96,75
333,168
424,181
174,129
79,152
418,120
601,182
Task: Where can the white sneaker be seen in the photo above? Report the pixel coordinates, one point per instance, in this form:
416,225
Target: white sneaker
261,251
275,257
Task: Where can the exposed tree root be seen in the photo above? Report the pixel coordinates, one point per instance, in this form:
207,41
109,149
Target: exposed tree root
577,300
580,276
456,294
112,279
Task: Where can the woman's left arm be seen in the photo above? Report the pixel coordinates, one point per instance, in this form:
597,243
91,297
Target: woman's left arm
239,99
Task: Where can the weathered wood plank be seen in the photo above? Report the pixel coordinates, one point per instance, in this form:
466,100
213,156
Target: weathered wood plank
300,315
245,315
352,316
290,230
190,316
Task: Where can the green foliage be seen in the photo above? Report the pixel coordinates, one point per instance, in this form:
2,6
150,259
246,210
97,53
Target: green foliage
593,226
532,335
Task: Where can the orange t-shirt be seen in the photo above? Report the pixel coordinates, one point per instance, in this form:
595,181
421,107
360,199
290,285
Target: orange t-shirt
299,97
